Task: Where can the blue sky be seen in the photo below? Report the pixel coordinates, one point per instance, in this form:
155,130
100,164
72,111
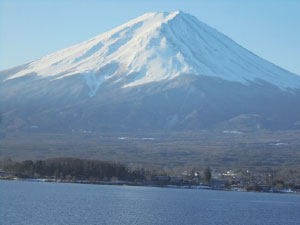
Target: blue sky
31,29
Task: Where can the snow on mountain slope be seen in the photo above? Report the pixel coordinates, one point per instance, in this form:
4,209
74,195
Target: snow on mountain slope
155,47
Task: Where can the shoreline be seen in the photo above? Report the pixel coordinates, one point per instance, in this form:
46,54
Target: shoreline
140,184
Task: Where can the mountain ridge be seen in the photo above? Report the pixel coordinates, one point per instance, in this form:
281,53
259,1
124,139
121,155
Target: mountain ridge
161,71
155,47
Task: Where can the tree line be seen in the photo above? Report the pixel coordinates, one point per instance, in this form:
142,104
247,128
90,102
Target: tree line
74,168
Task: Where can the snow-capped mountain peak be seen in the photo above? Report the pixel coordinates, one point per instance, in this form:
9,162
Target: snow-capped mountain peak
155,47
160,71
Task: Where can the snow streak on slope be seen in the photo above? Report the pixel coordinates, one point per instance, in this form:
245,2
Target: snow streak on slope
159,46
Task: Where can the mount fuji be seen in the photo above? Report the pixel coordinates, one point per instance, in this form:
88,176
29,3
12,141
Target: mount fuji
160,71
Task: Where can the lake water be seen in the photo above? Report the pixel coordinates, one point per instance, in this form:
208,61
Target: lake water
54,203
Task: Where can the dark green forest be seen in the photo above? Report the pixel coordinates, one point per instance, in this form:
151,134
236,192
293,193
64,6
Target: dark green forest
73,169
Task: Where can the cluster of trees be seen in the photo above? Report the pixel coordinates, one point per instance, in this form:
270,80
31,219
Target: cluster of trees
74,168
207,176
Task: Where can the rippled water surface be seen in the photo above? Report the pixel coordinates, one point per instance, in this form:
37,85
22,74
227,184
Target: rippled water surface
54,203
